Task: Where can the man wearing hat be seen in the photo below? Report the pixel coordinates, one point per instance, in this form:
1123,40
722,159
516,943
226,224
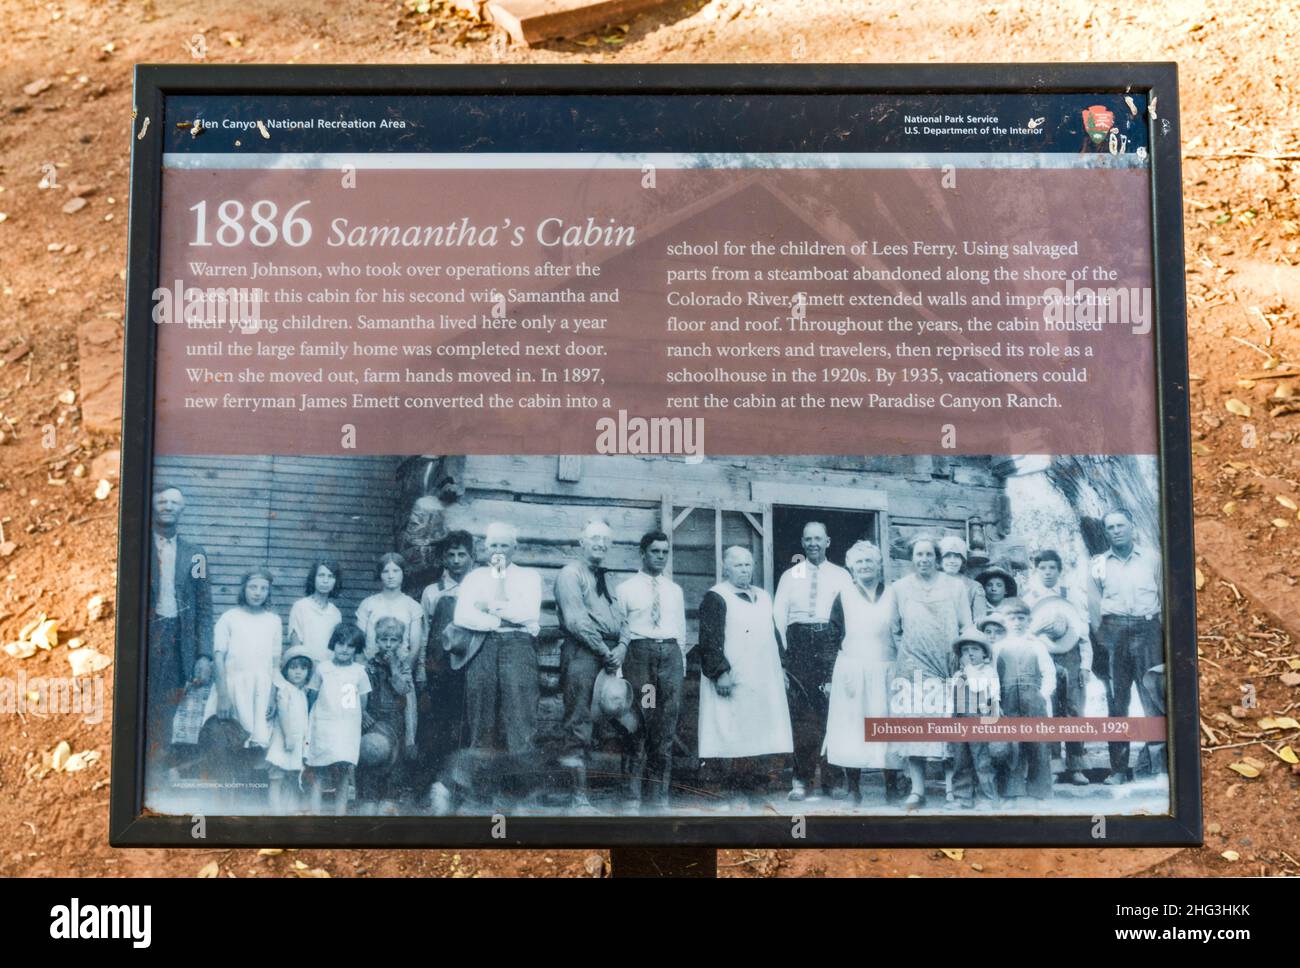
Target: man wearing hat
1066,630
591,624
976,693
952,558
744,716
1125,612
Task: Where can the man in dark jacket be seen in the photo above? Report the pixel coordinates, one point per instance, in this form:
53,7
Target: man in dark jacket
441,730
180,624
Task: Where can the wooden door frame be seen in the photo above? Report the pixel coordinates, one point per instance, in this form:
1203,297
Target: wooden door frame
866,500
669,522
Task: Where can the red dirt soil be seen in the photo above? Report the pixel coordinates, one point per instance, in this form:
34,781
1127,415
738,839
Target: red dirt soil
61,319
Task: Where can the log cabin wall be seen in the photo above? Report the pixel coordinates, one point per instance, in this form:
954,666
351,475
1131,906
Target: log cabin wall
918,493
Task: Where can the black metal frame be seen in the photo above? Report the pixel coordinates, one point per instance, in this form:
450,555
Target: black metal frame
128,823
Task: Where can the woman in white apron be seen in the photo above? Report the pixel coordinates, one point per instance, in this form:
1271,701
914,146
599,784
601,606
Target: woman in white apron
863,668
743,709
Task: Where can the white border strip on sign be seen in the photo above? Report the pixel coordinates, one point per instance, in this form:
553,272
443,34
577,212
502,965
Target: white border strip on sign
660,160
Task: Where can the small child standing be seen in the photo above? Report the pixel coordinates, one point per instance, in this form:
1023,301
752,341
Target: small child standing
386,744
976,694
334,736
289,724
1027,676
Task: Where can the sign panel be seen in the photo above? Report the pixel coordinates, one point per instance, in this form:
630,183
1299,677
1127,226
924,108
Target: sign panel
763,455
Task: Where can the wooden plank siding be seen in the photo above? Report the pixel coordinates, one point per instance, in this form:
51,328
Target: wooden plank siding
284,512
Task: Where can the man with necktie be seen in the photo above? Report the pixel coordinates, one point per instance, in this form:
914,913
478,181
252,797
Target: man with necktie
654,631
802,611
591,624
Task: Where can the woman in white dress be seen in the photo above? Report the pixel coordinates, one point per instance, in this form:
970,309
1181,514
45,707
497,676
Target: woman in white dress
863,669
246,646
313,617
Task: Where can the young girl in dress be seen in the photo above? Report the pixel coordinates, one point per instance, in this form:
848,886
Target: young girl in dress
313,617
334,737
289,724
392,603
246,647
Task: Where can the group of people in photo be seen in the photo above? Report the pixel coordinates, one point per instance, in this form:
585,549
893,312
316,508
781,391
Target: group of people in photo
431,704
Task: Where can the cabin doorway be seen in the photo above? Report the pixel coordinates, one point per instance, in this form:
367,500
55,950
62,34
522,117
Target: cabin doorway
845,526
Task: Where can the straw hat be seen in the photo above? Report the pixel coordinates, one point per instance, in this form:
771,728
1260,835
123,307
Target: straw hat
612,698
1046,613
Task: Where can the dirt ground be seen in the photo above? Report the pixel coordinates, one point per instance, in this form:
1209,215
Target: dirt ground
65,105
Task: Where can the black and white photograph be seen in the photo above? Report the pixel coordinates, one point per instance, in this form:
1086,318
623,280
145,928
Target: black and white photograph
626,636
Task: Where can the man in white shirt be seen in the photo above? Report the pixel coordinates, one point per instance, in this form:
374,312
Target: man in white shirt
501,690
1125,612
802,611
654,631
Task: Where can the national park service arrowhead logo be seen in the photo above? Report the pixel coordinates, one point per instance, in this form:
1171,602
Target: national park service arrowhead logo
1097,122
